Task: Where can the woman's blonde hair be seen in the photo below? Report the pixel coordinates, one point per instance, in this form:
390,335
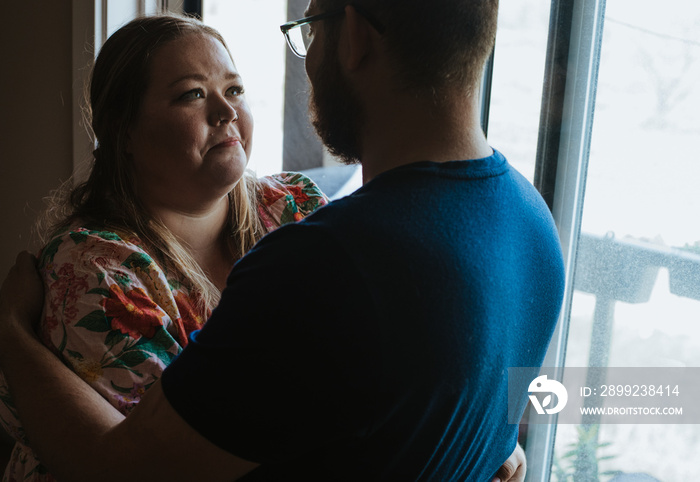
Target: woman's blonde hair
108,199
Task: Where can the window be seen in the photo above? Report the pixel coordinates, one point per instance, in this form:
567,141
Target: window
617,161
519,57
636,300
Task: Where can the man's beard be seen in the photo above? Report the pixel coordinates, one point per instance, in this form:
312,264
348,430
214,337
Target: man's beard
336,113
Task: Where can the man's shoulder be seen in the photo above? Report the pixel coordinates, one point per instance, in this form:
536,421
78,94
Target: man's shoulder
293,243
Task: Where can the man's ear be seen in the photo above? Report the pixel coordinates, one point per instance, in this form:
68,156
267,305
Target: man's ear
358,38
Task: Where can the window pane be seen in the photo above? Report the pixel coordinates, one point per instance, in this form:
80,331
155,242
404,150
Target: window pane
516,96
638,272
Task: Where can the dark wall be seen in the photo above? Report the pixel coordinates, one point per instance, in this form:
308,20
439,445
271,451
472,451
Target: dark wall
36,140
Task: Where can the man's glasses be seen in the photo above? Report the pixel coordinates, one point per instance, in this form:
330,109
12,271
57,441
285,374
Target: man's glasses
298,32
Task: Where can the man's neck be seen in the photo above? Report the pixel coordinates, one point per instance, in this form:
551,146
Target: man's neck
406,130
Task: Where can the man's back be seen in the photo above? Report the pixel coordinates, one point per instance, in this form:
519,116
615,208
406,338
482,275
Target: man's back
411,298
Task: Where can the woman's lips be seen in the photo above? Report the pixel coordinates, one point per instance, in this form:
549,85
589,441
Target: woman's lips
230,142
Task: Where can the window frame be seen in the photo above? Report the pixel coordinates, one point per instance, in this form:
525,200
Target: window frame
568,104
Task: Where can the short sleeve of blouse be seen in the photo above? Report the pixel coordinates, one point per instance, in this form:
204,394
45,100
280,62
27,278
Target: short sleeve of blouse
288,197
110,314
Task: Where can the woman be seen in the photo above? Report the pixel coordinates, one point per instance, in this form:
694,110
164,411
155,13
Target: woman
143,247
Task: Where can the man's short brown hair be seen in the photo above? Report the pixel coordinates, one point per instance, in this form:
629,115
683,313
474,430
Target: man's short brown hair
436,44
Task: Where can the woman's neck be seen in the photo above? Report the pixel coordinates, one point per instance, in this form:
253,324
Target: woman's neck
201,233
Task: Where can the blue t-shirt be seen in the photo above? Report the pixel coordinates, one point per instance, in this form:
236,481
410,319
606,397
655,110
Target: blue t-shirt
371,341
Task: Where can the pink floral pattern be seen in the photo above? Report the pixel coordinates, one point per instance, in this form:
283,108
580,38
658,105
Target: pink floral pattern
113,315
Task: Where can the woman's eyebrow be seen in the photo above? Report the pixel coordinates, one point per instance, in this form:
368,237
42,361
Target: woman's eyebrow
203,78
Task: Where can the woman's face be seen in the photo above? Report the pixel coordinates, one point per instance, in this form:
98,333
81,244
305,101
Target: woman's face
192,137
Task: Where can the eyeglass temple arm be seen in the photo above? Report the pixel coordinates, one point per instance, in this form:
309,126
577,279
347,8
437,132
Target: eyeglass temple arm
378,26
303,21
373,21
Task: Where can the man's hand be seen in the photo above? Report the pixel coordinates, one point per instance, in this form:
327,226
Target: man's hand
21,298
513,469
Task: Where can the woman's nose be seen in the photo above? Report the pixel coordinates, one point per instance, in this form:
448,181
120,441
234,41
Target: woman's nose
224,112
229,115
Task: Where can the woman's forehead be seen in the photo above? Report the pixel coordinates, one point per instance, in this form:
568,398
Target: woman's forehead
190,55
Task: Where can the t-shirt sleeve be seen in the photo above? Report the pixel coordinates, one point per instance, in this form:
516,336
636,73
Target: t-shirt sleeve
287,360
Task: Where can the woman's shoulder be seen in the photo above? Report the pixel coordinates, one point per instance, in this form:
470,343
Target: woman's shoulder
290,196
91,246
93,268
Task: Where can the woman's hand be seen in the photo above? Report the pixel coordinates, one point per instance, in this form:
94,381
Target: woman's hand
21,300
513,469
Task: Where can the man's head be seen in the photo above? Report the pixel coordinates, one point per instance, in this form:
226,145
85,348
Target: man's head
435,45
435,48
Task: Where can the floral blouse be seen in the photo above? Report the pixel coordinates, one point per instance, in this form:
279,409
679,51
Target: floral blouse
115,317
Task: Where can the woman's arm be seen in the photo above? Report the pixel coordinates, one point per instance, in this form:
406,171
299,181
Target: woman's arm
110,315
513,469
75,431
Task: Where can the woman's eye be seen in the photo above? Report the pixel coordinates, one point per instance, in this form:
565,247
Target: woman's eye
236,90
192,94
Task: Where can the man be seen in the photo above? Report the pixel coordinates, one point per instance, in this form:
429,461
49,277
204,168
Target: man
431,280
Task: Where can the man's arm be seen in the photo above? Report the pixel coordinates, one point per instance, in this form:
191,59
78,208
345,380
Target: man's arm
75,431
80,436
